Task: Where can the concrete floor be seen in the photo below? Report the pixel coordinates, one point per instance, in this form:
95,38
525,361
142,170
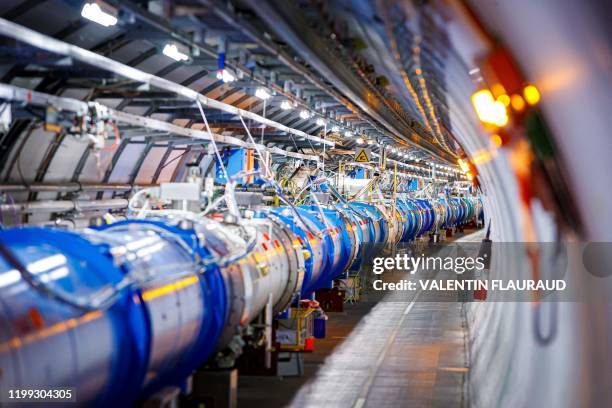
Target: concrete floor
388,350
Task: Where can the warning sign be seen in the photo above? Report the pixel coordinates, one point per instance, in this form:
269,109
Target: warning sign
363,156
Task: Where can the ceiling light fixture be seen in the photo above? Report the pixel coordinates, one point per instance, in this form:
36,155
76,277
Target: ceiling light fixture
262,93
173,51
225,75
100,12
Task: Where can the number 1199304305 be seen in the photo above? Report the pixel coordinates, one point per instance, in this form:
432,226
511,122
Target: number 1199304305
38,394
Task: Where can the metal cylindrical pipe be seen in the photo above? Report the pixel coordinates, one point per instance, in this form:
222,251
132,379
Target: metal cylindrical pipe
50,206
68,187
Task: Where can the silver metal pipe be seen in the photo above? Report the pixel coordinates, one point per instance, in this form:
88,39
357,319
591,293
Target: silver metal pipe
50,206
67,187
76,223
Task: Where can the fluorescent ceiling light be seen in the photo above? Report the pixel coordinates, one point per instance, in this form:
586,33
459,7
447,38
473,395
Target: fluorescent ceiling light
304,114
100,12
285,105
225,75
172,51
320,122
360,140
335,128
262,93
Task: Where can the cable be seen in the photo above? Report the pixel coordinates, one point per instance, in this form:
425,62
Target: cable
323,155
212,139
136,197
174,159
230,199
212,205
117,140
249,247
365,188
263,128
542,338
268,171
268,177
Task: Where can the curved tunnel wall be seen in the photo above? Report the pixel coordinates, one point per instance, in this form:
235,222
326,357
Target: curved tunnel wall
505,353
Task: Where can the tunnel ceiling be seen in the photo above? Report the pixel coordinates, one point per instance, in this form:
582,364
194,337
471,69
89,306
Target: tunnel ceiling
371,70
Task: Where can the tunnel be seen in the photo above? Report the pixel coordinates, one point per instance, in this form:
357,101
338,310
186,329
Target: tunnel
305,203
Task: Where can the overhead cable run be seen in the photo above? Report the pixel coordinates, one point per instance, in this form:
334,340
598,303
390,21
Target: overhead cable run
313,48
36,39
230,16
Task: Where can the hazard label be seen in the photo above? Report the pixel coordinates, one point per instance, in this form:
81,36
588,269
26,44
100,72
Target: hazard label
363,155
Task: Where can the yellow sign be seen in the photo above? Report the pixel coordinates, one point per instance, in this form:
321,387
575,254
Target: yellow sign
363,156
